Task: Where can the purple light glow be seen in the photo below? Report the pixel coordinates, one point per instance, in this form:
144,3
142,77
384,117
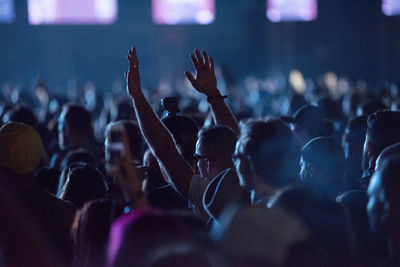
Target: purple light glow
72,11
391,7
172,12
7,13
291,10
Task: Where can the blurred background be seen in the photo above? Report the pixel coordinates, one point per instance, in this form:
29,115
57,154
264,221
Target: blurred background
351,38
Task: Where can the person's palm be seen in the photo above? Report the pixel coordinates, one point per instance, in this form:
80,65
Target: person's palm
205,81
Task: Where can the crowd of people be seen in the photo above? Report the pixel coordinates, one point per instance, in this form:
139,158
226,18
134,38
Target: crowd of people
115,181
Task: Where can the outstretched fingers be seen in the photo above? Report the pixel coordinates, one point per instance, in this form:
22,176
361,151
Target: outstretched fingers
206,59
190,77
199,57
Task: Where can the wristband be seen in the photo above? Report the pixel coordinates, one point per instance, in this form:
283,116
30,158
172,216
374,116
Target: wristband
212,97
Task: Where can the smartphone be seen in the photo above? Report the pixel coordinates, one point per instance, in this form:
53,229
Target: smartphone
169,105
114,147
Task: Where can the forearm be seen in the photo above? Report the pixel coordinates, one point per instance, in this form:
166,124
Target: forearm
154,132
162,145
222,114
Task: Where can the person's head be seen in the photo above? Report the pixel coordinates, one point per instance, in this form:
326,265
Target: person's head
135,236
390,151
74,125
383,130
266,153
214,148
83,183
154,178
309,122
383,206
21,149
91,230
21,113
322,164
134,136
78,155
353,138
184,131
370,106
323,216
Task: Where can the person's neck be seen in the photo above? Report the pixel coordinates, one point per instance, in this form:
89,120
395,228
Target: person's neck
262,191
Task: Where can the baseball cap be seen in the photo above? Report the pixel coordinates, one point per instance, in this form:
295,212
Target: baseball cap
21,147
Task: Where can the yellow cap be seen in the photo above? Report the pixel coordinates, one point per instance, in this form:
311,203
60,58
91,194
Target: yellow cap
20,147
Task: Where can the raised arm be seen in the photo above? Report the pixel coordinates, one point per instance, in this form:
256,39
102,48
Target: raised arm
159,139
206,83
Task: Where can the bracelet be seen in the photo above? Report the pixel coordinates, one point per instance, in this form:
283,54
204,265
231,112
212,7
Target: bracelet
136,196
211,97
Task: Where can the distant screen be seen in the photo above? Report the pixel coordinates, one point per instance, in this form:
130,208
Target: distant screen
7,13
183,11
391,7
72,11
291,10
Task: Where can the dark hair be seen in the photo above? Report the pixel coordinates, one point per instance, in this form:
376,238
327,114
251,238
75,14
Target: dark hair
324,218
389,173
84,183
21,113
220,140
326,154
273,151
78,155
78,119
357,128
91,233
184,131
383,129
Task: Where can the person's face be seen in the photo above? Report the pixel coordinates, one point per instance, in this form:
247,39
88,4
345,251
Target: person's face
365,156
203,160
242,166
377,207
305,170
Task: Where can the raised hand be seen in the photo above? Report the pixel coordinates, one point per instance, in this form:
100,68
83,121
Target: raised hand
205,82
133,75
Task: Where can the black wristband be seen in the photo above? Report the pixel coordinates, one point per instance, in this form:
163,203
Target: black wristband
211,97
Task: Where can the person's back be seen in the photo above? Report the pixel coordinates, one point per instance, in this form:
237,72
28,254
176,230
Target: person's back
21,154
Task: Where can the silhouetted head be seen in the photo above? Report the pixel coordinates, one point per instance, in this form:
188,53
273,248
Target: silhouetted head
21,148
322,165
184,131
309,122
214,149
78,155
383,130
266,152
83,183
353,138
91,230
384,199
135,236
74,125
21,113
